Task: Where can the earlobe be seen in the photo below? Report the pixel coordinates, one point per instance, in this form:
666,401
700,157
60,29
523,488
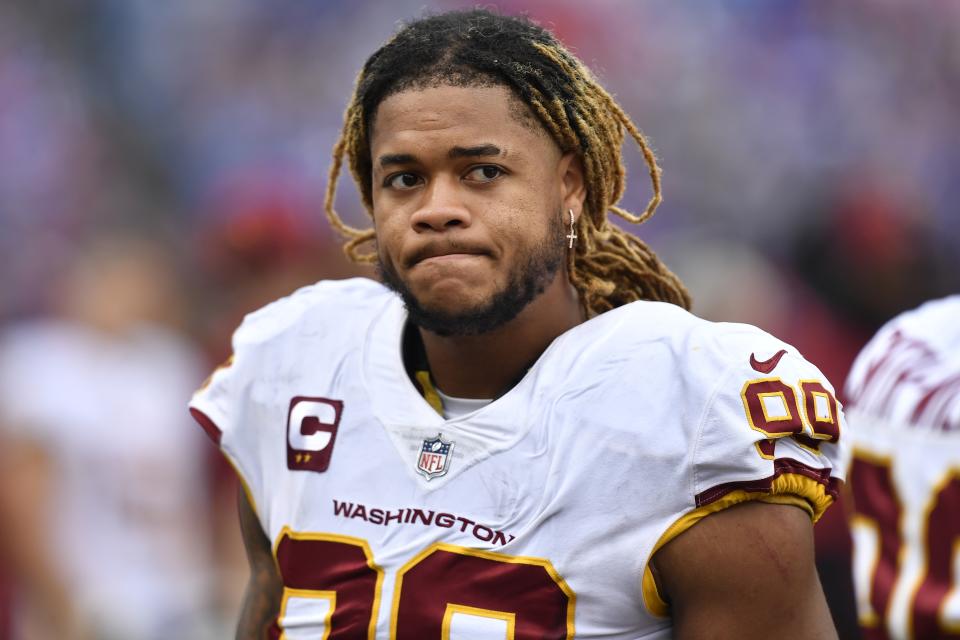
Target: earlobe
572,182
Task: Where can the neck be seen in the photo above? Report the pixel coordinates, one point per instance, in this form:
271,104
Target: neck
486,365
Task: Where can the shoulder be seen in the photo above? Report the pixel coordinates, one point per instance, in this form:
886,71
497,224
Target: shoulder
722,391
35,358
744,400
685,349
935,317
914,355
41,336
326,305
933,324
47,349
929,332
275,345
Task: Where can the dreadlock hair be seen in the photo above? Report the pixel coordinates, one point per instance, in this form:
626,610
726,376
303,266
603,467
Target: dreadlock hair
608,266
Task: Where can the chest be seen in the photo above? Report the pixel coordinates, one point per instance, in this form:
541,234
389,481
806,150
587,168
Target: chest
440,528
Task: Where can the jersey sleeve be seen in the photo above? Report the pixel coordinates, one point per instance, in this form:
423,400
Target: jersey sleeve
280,354
230,406
219,406
771,430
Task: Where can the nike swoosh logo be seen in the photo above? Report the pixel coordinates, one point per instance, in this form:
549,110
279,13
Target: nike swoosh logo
766,366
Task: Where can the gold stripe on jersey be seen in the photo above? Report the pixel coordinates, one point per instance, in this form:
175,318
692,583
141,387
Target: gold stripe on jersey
246,487
807,446
329,596
506,616
866,616
951,474
788,488
429,391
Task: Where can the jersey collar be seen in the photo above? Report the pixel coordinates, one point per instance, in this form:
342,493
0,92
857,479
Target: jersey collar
409,418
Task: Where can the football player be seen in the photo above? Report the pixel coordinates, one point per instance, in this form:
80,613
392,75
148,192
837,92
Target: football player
904,394
522,433
101,501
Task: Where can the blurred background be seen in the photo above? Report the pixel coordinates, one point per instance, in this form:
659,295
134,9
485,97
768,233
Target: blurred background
162,166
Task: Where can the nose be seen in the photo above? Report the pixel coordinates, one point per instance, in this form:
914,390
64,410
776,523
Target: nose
441,209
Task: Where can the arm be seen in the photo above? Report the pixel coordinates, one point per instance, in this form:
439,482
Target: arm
26,475
261,602
745,572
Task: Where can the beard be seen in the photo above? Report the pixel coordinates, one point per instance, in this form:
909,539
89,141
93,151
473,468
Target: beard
534,269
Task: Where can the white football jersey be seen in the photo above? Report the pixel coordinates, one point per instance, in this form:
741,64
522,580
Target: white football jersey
904,393
532,517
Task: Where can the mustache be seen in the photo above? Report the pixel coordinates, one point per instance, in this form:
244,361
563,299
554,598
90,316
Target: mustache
442,248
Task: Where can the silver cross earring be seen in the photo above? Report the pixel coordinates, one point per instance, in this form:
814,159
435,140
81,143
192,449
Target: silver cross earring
573,231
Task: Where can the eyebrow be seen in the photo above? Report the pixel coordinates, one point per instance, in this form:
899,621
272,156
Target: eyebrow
389,159
474,152
478,151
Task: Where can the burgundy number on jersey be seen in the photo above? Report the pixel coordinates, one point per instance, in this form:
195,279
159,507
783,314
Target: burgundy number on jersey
822,416
527,591
942,537
444,579
879,506
877,503
338,568
772,409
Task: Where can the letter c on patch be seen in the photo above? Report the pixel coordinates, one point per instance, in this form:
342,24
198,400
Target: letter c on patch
312,425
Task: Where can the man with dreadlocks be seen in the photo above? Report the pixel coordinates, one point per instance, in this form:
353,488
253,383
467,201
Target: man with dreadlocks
522,433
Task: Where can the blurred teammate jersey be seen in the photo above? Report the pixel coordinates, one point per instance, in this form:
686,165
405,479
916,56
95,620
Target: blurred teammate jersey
127,524
904,393
538,512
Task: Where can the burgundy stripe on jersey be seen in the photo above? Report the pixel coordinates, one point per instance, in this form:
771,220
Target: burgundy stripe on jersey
937,403
765,485
905,362
211,429
900,357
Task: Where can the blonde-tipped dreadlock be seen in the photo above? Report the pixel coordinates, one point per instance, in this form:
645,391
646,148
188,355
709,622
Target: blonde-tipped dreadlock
609,267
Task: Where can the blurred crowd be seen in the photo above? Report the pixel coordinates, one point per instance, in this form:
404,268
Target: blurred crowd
162,169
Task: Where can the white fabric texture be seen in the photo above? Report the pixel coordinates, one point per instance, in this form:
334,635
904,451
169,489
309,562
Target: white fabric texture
609,438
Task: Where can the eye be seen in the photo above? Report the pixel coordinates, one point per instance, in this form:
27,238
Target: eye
402,181
484,173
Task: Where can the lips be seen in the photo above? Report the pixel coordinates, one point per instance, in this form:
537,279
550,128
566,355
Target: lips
444,250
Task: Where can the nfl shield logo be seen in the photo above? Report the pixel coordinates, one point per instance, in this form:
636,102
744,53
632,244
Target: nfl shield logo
434,458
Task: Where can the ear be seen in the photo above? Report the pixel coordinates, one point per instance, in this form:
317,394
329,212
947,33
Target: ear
573,186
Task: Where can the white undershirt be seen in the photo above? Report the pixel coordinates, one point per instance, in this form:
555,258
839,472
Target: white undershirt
456,407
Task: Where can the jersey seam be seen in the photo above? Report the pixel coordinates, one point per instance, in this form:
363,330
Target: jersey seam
708,406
